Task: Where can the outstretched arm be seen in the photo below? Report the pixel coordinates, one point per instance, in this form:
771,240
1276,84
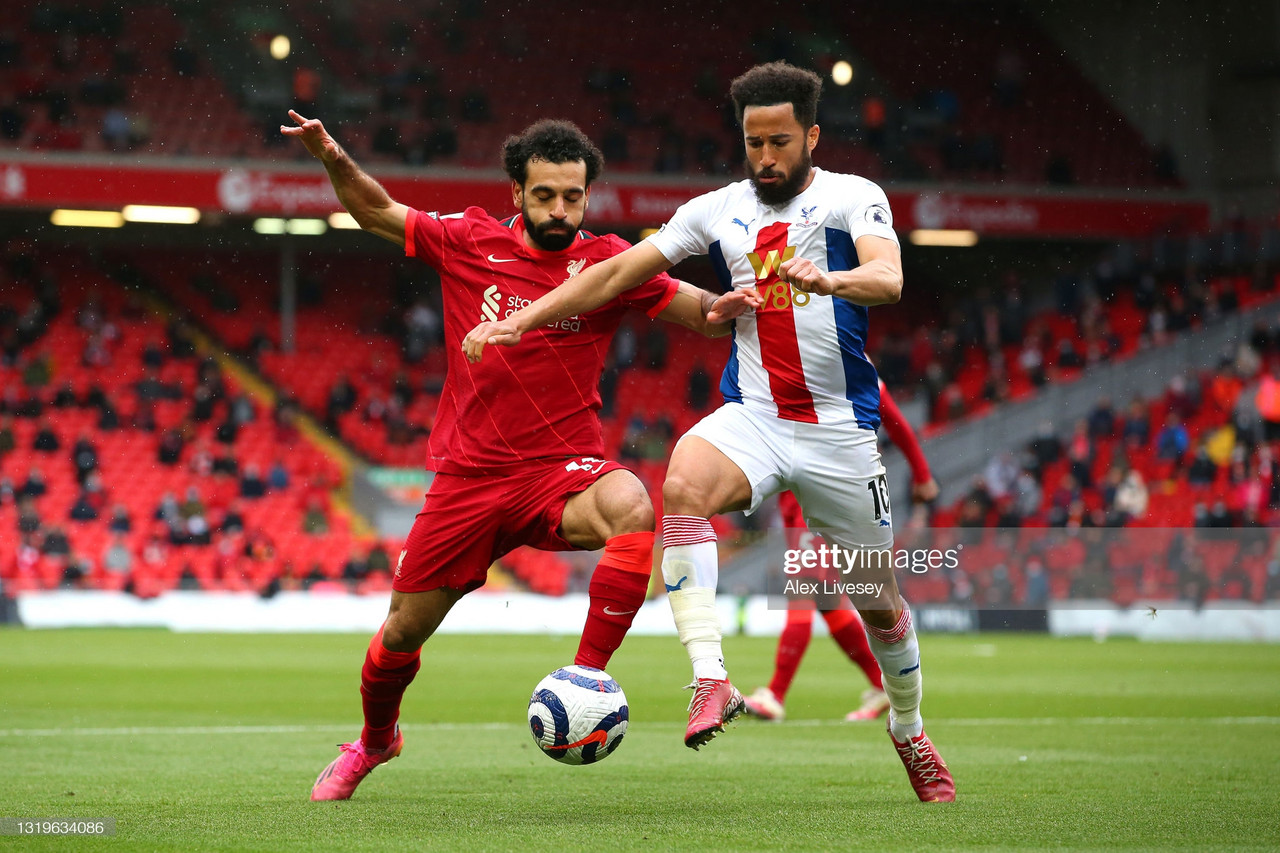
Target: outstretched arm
586,291
692,307
362,196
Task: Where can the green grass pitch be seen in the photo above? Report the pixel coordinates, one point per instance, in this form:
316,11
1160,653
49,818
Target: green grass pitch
211,742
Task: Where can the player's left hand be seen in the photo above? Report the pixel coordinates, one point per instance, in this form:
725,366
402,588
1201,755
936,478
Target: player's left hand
804,275
502,334
733,304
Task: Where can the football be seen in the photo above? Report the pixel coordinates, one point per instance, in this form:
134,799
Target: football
578,715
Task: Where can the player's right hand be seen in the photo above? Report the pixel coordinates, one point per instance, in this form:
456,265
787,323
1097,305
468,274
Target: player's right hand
924,492
504,334
733,304
311,133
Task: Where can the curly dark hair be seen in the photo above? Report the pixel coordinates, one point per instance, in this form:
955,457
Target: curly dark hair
554,141
778,83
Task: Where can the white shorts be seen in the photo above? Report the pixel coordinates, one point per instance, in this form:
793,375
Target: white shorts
834,471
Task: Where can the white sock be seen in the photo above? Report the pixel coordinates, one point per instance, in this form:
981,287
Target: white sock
898,653
690,571
689,556
698,624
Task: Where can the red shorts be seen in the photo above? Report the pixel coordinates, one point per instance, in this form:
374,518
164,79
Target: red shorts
467,522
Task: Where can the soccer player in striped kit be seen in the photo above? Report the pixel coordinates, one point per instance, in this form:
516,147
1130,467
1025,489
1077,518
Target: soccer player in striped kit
802,254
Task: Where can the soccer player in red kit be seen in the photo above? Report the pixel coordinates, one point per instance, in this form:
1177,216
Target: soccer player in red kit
517,447
844,624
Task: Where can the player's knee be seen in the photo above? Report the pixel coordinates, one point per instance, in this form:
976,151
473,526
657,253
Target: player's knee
636,518
404,632
630,511
682,496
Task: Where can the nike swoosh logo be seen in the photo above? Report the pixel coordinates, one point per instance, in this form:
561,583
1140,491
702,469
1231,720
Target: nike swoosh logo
494,260
679,584
609,612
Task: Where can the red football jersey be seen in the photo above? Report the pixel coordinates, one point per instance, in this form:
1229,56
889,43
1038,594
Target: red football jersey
537,400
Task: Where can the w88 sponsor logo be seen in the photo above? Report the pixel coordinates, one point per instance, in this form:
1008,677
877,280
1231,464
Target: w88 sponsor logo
780,296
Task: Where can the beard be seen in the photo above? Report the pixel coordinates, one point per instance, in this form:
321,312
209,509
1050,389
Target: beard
786,189
547,236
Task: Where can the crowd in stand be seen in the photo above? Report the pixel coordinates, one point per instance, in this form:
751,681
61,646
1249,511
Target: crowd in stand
129,460
94,78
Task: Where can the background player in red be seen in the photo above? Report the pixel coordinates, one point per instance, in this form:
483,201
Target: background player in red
844,624
517,447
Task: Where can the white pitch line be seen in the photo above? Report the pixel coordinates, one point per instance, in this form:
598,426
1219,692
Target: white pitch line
148,731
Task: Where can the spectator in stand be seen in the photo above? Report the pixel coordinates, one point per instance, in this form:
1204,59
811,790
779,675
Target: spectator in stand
1220,516
1267,401
422,331
34,486
1035,587
379,560
64,397
117,559
228,430
46,439
88,505
1173,441
1080,452
233,519
252,485
192,504
37,372
7,440
1000,475
1063,501
278,476
200,461
56,543
8,494
169,451
28,517
1137,425
202,403
698,390
1131,497
1203,470
198,531
1027,496
342,399
1183,397
315,521
225,464
655,346
84,456
1271,584
356,567
1102,419
402,389
151,388
120,521
240,409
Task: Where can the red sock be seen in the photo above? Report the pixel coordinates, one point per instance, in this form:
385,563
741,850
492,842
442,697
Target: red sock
792,644
618,588
846,629
383,680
